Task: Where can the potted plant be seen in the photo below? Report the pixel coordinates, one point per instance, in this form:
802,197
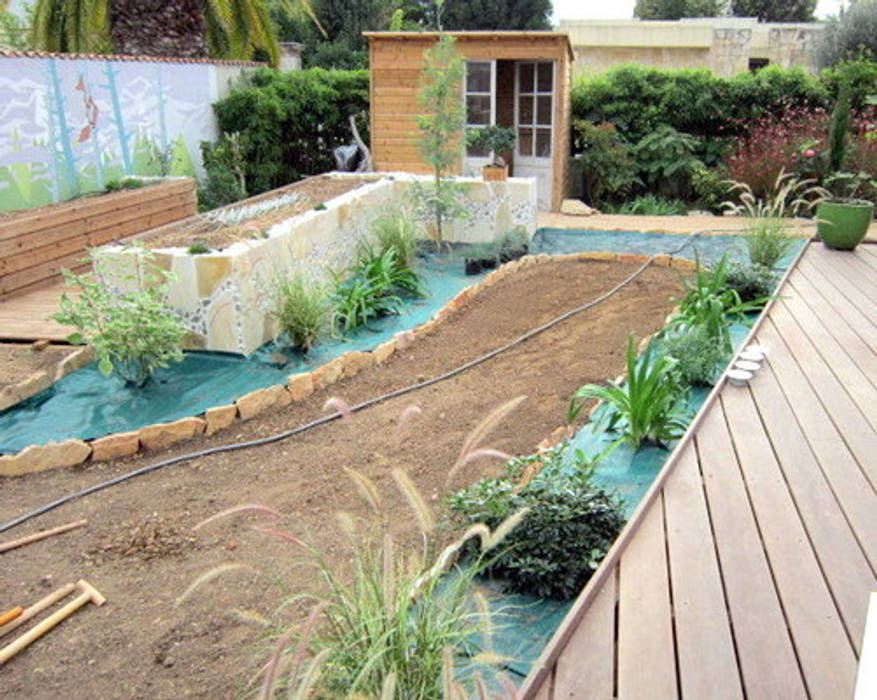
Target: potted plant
842,219
494,140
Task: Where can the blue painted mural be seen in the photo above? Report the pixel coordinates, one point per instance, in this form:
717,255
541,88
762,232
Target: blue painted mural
69,126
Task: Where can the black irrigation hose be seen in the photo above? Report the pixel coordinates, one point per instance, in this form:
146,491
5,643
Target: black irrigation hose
335,416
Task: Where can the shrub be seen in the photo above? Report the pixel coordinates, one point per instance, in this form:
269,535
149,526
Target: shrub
603,161
750,280
133,333
291,121
126,183
650,205
710,187
396,229
665,159
648,407
853,35
711,304
767,241
198,248
512,244
569,526
225,173
302,309
697,354
492,139
372,288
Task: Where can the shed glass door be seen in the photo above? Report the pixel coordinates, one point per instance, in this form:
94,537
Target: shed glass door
480,101
534,123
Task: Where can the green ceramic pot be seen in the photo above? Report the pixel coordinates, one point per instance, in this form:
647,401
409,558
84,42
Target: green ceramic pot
843,225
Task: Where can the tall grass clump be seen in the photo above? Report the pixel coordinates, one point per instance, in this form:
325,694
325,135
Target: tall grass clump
396,229
648,407
697,354
301,307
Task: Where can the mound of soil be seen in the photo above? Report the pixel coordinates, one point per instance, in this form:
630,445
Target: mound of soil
139,645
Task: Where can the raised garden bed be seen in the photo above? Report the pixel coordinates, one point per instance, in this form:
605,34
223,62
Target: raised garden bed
35,245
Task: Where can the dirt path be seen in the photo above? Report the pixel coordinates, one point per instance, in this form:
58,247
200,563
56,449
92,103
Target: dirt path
141,552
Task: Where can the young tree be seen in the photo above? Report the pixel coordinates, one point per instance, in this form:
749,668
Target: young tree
851,36
775,10
677,9
441,129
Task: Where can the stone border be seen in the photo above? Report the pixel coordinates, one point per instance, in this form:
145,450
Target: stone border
40,381
71,453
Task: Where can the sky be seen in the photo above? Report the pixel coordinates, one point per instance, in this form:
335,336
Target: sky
623,9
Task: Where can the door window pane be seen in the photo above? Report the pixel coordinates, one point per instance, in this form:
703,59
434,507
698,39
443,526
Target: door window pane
526,80
543,110
525,142
525,109
545,83
478,109
477,76
543,143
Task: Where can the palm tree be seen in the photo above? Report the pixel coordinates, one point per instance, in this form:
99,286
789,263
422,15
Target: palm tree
233,29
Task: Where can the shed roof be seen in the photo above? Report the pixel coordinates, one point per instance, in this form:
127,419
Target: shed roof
492,35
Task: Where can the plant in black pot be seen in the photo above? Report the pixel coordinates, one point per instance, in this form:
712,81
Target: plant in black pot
495,140
843,218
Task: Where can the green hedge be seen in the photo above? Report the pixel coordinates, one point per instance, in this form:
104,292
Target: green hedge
291,121
637,99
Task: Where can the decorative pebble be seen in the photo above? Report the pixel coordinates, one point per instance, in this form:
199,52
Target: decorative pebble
747,366
739,377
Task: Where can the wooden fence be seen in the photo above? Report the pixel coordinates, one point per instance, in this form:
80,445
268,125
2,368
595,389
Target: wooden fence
36,245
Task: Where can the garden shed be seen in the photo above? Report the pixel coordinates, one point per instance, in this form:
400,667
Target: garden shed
517,79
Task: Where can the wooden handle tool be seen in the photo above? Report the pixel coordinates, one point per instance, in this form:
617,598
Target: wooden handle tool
38,607
36,537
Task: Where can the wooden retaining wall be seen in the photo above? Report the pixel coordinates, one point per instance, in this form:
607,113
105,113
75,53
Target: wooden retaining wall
35,246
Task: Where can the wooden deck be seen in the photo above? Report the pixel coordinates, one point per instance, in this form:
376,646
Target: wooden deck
746,571
25,316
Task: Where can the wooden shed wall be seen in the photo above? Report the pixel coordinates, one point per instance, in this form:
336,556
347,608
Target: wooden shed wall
396,64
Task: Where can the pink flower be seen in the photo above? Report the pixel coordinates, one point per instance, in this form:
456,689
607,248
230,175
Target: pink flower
809,153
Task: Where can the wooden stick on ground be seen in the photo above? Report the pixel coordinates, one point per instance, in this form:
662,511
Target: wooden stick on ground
38,607
36,537
10,615
88,594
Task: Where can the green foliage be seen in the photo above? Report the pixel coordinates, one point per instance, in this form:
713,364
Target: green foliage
751,281
767,241
441,129
224,164
13,32
710,187
838,134
81,26
603,160
649,407
395,229
775,10
650,205
860,76
132,330
372,288
710,303
677,9
860,186
289,122
479,14
302,309
509,245
638,99
851,36
198,248
697,354
495,139
320,207
569,526
666,160
126,183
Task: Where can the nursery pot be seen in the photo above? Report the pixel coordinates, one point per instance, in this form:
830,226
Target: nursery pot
495,173
843,225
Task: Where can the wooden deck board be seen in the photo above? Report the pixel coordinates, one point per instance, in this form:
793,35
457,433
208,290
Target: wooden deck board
770,518
25,316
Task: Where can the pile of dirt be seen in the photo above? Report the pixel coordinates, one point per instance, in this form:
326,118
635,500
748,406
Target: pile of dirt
143,540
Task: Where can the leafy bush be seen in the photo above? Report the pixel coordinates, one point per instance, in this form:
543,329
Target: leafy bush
133,333
639,99
302,309
697,354
750,280
603,161
711,304
372,288
851,36
650,205
198,248
569,526
648,407
665,159
225,168
492,139
710,187
290,121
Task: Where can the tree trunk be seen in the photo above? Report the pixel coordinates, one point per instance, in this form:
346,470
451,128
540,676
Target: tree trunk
158,28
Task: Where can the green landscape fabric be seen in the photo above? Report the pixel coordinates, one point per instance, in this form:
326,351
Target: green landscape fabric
86,405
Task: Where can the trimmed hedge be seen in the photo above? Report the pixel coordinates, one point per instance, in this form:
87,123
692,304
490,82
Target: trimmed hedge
290,121
637,99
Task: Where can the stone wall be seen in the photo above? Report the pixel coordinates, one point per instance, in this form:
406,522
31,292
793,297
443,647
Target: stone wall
224,296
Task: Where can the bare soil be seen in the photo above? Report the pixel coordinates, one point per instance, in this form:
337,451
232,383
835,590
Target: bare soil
313,192
18,362
140,549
